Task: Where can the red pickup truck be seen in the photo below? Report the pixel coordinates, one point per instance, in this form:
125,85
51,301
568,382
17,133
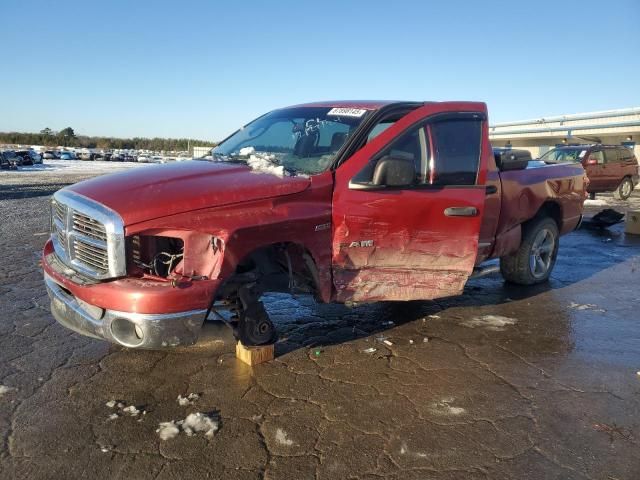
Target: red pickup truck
353,202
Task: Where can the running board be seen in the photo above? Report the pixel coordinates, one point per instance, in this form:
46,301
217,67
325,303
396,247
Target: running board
484,271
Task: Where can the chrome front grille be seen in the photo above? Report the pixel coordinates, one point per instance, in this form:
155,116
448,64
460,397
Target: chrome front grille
89,227
87,236
60,211
92,255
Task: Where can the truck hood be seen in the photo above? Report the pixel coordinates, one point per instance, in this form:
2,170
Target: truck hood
156,191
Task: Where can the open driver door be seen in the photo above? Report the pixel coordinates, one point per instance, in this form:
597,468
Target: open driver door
407,206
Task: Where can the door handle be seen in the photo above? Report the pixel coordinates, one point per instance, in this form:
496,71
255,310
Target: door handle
491,189
461,211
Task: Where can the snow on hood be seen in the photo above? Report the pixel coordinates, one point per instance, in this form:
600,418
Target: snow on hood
262,162
161,190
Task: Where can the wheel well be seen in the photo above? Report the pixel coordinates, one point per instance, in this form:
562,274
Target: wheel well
279,267
552,210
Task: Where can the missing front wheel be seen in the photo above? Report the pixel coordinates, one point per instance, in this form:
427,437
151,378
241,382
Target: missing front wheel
254,327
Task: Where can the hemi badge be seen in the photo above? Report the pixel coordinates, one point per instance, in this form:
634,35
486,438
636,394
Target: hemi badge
323,226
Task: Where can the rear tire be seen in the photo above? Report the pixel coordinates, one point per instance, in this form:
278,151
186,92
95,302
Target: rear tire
534,260
624,190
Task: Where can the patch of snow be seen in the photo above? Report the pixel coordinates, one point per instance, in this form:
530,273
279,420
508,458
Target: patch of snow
246,151
168,430
586,306
282,438
74,167
195,423
4,390
263,162
131,410
595,203
200,422
404,450
444,407
496,323
188,400
435,317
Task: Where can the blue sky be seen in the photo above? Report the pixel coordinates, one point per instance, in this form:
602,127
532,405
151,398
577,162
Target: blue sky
200,69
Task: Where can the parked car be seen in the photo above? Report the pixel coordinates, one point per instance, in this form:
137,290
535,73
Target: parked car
8,161
13,157
143,158
88,155
610,168
305,199
29,157
67,156
117,157
50,155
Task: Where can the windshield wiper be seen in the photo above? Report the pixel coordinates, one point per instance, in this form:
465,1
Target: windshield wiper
218,157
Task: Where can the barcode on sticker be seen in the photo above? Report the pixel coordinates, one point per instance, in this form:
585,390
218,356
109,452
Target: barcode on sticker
347,112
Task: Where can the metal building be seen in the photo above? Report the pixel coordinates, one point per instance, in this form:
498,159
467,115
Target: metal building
610,127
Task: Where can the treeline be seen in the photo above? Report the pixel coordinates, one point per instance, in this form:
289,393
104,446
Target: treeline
68,138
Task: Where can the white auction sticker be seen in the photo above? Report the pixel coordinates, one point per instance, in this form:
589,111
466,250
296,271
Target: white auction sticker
347,112
582,153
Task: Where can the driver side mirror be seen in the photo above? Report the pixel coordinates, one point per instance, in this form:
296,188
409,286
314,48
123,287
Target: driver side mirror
390,171
393,171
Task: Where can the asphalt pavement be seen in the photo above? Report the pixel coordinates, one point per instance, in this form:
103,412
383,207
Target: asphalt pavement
502,382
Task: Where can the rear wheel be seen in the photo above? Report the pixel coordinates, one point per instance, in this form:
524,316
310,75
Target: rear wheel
624,189
534,260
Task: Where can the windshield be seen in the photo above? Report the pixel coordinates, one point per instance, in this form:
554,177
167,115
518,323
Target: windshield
564,155
294,140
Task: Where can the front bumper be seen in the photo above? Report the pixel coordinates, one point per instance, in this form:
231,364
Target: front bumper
134,330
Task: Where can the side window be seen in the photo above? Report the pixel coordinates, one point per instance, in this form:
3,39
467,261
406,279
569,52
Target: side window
625,154
378,129
611,155
410,148
440,152
456,145
598,156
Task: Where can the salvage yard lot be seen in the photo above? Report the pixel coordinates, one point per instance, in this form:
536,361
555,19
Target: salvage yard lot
502,382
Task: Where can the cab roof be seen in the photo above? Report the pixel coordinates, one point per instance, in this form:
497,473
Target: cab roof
363,104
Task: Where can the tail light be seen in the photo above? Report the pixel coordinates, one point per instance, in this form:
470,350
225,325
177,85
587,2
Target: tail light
591,161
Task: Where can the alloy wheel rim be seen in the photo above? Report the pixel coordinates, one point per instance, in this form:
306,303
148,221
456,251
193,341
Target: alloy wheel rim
541,253
626,188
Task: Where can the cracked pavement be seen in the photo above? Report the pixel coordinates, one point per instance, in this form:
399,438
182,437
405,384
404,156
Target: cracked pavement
501,383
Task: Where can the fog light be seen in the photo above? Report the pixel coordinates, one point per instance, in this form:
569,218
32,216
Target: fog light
126,333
